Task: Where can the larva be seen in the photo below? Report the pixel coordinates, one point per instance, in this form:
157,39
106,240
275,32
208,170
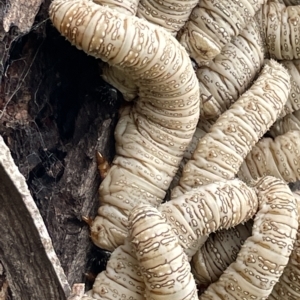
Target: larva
231,72
197,213
190,217
285,124
265,254
171,15
127,7
279,157
257,268
162,261
288,287
282,30
213,258
293,102
220,153
152,136
218,252
111,74
122,278
213,23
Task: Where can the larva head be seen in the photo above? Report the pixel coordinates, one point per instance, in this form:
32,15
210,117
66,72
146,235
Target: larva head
101,231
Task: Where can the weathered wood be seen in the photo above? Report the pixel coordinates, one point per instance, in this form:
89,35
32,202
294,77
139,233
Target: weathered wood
26,249
55,112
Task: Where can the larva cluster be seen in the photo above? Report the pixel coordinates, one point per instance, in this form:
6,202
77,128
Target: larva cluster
150,67
213,23
265,254
152,136
220,153
164,266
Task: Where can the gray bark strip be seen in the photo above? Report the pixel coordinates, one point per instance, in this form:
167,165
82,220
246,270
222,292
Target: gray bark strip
26,250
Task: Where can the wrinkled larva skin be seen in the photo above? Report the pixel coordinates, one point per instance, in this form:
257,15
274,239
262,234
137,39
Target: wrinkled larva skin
219,251
220,153
122,278
169,14
199,212
282,30
163,263
207,266
288,287
205,209
213,23
265,254
279,157
152,136
285,124
231,72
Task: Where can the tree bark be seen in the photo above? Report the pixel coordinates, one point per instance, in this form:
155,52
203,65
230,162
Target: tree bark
25,246
55,112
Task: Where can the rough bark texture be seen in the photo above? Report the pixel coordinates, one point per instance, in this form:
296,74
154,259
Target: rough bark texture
25,246
55,112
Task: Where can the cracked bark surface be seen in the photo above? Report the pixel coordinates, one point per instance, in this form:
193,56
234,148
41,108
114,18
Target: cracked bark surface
55,112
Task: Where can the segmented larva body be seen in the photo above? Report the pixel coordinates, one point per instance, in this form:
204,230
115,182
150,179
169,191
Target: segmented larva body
293,101
201,211
218,252
213,23
120,80
114,76
221,249
171,14
127,7
282,30
163,263
152,136
285,124
221,152
288,287
205,209
279,157
265,254
122,278
231,72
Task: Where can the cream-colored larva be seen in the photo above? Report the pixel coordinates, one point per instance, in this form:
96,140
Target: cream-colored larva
285,124
282,30
265,254
122,278
213,23
190,217
162,261
197,213
288,287
231,72
279,157
221,249
152,136
114,76
169,14
221,152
